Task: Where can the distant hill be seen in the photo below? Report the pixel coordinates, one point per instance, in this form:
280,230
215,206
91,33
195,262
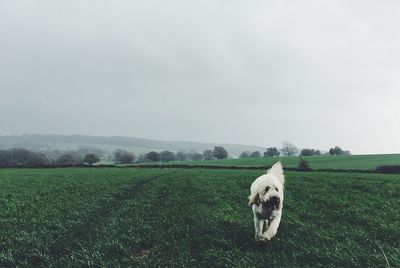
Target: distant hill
137,145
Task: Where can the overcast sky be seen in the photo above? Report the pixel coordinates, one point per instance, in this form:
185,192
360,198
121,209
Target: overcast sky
316,73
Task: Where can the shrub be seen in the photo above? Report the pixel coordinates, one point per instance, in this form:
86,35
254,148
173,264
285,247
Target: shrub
303,165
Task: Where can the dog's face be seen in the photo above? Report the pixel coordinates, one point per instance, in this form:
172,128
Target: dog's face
267,201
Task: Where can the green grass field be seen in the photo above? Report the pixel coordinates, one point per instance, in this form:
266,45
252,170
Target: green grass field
193,217
361,162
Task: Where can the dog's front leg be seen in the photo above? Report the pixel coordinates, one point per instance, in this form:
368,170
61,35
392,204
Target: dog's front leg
258,227
272,228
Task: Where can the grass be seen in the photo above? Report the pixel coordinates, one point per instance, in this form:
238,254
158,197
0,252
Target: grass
178,217
361,162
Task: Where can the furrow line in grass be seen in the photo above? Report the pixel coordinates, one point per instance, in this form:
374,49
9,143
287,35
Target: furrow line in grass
86,229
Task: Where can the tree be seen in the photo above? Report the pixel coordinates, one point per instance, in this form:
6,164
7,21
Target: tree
6,160
188,156
220,152
196,156
22,157
181,156
255,154
167,156
29,158
303,165
289,149
141,158
83,151
69,159
245,154
271,152
37,159
153,156
307,152
91,159
208,155
338,151
123,157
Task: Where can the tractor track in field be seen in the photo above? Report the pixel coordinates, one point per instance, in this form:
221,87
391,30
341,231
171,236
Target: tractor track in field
86,230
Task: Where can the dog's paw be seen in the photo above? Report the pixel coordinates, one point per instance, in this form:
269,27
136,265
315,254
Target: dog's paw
260,238
267,236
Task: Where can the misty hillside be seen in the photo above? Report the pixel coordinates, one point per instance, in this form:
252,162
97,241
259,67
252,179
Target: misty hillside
137,145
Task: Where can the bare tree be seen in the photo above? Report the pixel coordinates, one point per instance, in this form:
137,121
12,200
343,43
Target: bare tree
289,149
181,156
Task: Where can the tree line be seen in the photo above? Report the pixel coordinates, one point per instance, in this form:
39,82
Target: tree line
124,157
289,149
17,157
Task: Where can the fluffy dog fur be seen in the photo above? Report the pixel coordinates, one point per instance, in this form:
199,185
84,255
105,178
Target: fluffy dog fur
266,201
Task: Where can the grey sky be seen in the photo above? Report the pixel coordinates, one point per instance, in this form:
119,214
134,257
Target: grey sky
316,73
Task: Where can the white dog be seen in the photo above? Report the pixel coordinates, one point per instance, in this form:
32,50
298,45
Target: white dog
266,200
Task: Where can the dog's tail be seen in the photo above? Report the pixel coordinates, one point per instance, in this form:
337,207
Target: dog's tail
277,171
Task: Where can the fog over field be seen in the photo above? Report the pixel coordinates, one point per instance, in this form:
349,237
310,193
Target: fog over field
316,73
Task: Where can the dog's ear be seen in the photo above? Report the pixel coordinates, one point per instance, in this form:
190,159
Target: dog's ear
254,199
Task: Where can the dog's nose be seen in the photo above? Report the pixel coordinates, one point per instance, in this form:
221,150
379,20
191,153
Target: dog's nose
275,200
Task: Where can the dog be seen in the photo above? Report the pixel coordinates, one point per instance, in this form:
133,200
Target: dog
266,201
